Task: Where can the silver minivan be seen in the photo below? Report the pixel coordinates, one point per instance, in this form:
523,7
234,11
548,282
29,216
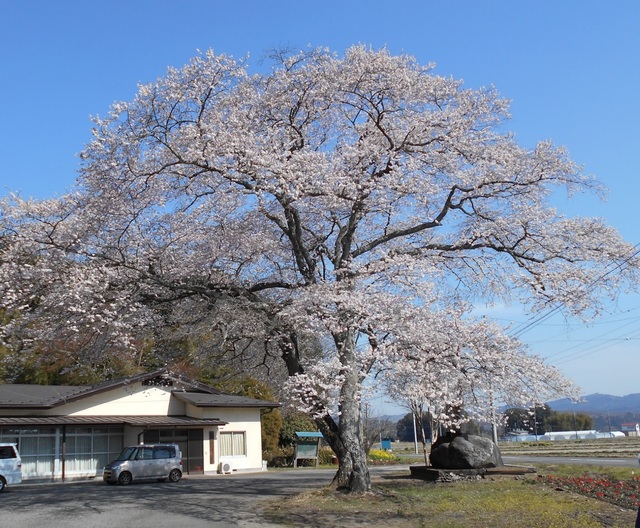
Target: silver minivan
145,462
10,465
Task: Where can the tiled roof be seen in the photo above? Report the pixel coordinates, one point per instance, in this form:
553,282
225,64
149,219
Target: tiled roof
144,421
36,396
200,399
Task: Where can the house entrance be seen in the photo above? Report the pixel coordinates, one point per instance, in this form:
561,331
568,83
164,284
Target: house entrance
190,442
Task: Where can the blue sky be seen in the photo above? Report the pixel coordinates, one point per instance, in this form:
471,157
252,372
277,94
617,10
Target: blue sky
570,67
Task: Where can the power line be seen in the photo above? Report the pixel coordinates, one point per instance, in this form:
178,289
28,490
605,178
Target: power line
538,319
577,351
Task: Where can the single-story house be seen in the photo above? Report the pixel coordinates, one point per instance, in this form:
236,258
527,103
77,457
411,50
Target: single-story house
66,432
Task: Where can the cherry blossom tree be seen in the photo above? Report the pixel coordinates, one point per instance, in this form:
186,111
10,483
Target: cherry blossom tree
361,202
465,371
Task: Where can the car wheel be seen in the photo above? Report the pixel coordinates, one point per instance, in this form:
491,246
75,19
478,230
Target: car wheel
2,484
175,475
125,478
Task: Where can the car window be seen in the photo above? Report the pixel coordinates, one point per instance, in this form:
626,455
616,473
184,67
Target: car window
145,453
128,453
7,452
163,452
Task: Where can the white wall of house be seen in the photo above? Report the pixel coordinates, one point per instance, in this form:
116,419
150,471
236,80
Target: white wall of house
247,421
132,400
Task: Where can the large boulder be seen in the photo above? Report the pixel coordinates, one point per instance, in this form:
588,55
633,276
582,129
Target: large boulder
465,452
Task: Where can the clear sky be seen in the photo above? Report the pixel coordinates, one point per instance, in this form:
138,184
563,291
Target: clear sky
570,67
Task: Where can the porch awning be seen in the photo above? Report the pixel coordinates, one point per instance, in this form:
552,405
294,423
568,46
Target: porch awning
138,421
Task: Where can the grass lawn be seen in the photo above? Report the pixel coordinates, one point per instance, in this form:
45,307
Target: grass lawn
532,501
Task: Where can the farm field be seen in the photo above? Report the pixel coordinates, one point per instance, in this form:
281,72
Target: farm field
601,448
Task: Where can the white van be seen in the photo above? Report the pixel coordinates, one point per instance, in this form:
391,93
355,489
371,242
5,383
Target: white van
143,462
10,465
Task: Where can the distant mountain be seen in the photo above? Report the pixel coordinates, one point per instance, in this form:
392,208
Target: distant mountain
599,403
393,417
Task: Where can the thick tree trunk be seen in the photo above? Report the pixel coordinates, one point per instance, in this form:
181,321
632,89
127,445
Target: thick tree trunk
353,473
346,437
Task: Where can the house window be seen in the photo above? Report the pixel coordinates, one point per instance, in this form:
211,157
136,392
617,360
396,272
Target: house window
233,444
89,449
37,448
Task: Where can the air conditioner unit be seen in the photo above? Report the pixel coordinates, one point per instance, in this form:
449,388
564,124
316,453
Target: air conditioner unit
225,468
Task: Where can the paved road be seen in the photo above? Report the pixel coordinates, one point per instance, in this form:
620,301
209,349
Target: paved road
223,501
615,462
